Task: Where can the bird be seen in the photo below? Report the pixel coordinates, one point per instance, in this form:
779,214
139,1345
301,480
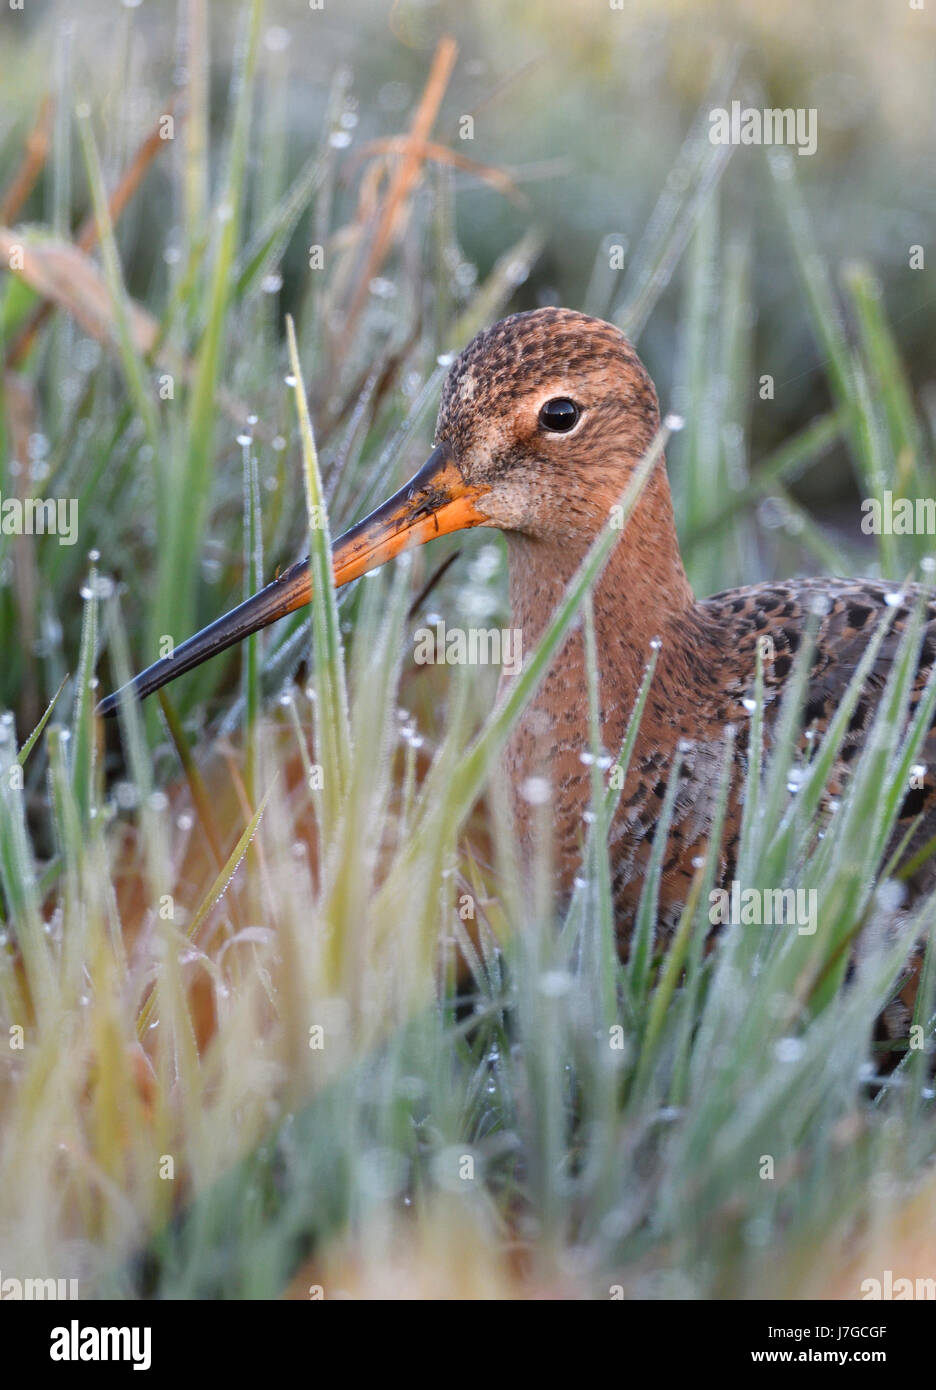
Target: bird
543,419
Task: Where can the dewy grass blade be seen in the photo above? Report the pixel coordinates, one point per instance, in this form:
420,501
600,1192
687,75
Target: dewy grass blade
698,447
201,798
190,484
700,919
268,244
214,894
19,883
253,581
601,937
845,369
36,734
753,788
692,183
611,797
920,1056
661,998
815,779
648,908
82,730
878,475
618,771
333,725
889,377
133,367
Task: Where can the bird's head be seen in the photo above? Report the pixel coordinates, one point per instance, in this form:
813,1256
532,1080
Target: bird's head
545,414
542,418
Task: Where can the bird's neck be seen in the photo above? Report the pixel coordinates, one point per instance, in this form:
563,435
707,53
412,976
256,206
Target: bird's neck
641,593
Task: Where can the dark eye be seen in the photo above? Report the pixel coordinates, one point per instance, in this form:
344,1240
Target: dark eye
560,415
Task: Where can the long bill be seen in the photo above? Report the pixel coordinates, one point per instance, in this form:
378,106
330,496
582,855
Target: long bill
435,502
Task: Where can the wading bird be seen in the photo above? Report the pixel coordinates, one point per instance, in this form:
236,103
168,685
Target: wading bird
543,418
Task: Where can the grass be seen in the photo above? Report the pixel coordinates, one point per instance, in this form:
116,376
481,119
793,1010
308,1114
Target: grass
282,1014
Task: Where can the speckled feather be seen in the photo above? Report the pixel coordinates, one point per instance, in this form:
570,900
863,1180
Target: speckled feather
551,494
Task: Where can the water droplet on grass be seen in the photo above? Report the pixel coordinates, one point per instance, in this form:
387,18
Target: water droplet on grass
553,984
789,1049
536,790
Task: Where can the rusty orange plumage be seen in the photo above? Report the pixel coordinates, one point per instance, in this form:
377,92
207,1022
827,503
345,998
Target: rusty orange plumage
548,481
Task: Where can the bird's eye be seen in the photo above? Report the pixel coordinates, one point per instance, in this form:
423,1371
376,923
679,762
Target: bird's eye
559,415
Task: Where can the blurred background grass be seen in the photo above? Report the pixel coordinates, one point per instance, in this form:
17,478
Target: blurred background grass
589,133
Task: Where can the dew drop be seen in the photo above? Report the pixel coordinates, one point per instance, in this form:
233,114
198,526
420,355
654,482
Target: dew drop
536,790
789,1049
277,39
127,795
553,984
